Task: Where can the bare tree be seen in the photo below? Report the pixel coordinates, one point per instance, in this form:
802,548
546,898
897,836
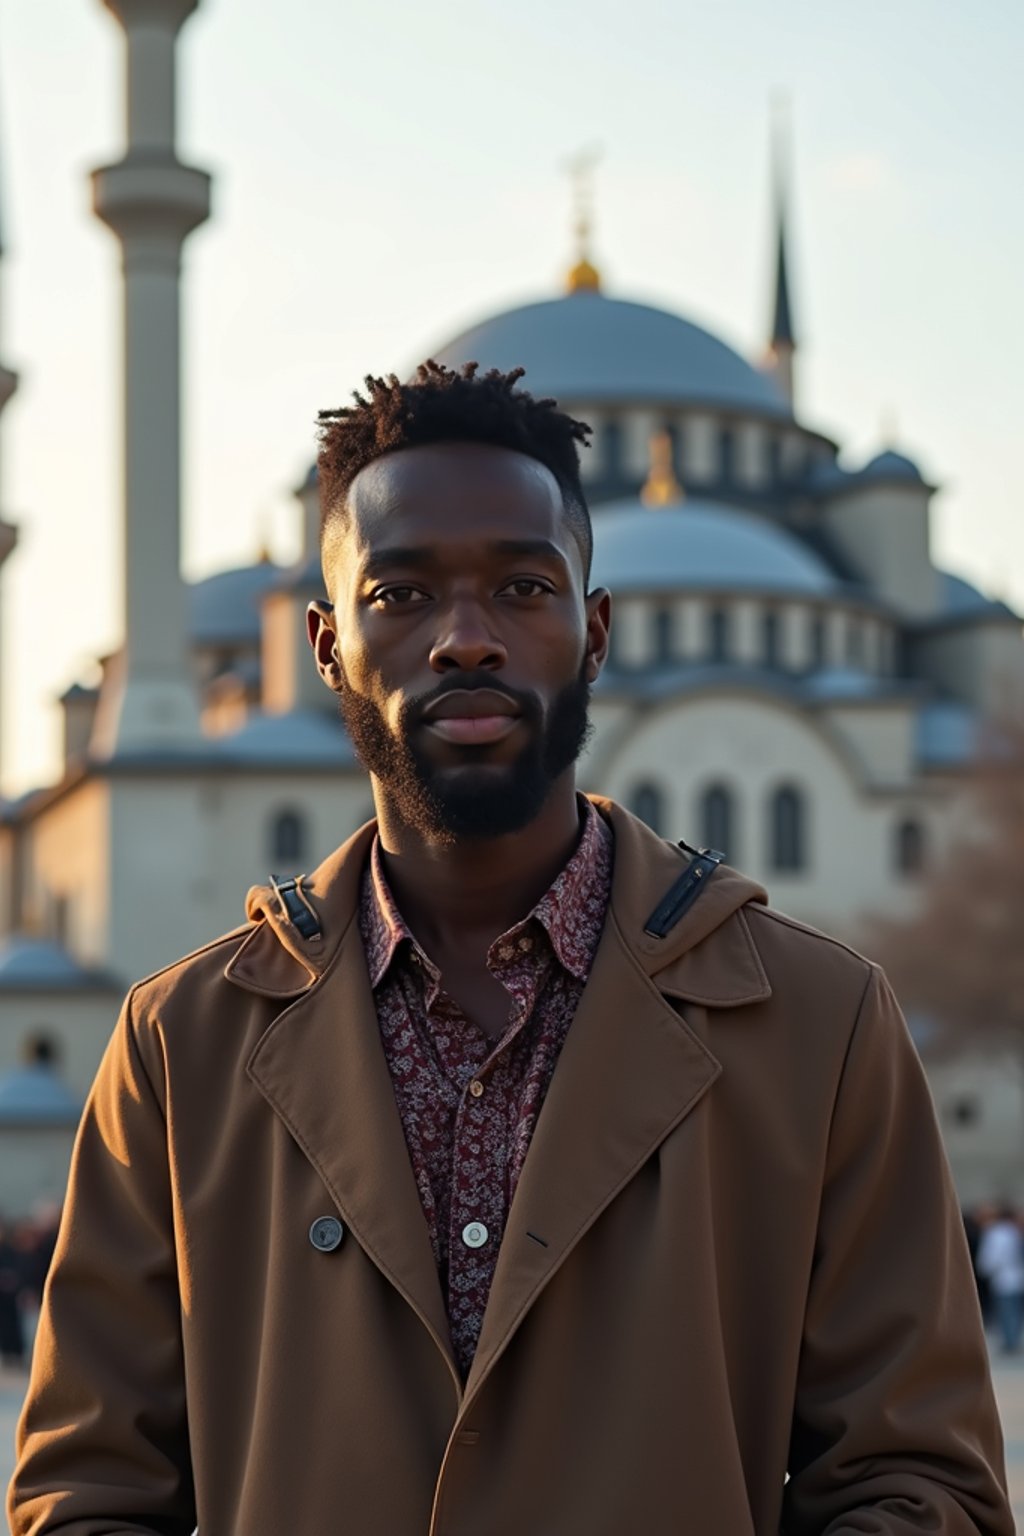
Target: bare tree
961,960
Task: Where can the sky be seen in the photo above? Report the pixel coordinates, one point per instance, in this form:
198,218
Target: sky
385,174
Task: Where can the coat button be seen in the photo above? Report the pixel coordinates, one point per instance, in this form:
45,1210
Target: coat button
326,1233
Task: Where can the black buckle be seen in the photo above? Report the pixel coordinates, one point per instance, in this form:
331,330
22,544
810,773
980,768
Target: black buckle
296,908
680,896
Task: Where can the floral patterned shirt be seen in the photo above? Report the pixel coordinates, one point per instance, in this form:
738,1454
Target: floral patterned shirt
469,1103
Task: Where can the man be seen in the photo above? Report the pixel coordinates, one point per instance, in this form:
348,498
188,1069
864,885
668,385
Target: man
516,1171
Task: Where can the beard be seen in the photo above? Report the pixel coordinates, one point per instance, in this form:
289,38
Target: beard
476,800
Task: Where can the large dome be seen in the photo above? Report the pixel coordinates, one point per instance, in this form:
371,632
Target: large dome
586,347
702,545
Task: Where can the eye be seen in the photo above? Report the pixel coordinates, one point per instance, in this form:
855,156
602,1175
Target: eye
397,597
527,586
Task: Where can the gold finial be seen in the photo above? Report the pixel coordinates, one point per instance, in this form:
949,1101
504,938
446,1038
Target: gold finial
890,426
662,488
583,275
265,555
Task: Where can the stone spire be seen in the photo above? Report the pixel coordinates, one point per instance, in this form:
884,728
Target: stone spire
782,342
152,202
8,532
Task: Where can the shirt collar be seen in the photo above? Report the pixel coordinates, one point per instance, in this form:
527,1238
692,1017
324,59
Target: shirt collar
579,890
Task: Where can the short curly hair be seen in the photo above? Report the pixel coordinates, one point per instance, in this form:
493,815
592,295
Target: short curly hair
440,405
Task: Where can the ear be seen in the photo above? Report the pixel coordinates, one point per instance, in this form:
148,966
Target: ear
323,639
599,619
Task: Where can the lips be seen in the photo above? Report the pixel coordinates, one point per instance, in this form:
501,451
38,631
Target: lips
469,717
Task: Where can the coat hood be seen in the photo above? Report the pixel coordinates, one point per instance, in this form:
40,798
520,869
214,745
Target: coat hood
708,956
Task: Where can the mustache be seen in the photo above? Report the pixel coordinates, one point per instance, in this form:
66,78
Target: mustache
527,704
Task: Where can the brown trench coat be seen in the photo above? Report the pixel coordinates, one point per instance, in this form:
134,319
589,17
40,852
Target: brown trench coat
734,1254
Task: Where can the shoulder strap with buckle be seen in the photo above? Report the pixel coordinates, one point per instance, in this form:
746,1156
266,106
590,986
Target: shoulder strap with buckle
296,907
680,896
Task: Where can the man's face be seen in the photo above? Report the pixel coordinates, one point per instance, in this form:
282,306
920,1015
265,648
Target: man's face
465,644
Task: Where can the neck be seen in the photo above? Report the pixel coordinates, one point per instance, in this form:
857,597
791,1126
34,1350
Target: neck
466,894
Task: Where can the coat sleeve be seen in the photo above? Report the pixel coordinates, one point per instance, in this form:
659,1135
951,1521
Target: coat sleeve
895,1426
103,1441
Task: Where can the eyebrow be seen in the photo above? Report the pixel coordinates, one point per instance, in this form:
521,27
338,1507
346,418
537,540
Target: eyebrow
385,559
423,557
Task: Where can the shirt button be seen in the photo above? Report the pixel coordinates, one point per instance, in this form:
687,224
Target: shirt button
326,1233
476,1087
474,1235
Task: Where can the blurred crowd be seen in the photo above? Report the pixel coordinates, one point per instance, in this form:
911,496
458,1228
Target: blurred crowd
995,1236
26,1248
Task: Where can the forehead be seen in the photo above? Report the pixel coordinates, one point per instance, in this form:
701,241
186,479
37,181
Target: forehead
455,495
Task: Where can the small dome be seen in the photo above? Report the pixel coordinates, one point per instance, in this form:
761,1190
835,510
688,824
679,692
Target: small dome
41,965
892,466
224,609
701,545
588,347
302,737
35,1095
960,600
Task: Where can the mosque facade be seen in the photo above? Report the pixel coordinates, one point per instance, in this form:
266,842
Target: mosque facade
792,680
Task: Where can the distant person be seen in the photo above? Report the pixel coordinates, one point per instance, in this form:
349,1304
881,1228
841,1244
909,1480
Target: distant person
517,1172
34,1242
12,1333
975,1223
1001,1260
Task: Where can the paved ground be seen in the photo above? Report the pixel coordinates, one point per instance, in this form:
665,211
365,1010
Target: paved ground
1009,1379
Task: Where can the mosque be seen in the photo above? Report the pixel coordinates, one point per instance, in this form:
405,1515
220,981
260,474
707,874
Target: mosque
791,680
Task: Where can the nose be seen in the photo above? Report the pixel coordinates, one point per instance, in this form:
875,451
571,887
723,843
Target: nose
465,642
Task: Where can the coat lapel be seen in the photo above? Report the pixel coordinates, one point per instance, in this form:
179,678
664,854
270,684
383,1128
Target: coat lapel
321,1068
631,1068
629,1072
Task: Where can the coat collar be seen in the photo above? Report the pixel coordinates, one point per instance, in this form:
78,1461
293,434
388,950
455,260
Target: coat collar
709,958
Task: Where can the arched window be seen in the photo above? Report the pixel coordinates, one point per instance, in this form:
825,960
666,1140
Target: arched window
770,637
774,461
648,802
612,448
817,642
911,849
718,820
41,1049
727,449
663,636
854,643
288,838
788,829
718,635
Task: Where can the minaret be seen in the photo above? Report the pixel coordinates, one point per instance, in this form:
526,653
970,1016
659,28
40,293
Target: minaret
8,533
782,343
152,202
